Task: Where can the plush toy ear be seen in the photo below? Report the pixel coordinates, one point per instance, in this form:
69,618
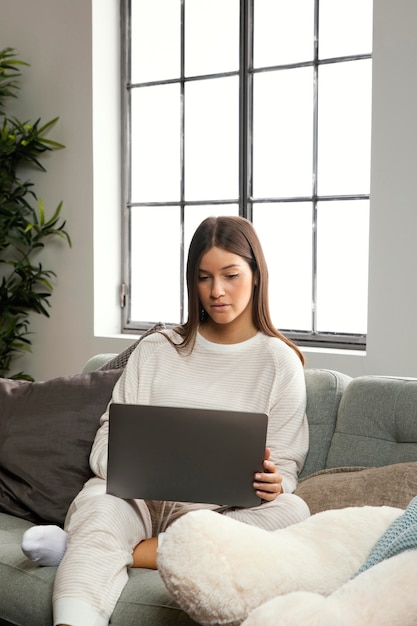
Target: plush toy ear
381,596
219,569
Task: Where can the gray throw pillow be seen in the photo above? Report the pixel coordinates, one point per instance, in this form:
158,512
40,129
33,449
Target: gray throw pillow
46,433
121,359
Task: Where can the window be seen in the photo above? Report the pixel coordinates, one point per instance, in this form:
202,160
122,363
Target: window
260,108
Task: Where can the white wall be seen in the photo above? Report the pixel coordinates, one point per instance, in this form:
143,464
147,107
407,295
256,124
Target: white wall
57,38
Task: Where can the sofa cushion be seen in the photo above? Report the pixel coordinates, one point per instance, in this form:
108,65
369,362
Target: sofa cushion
46,433
337,488
121,359
324,391
26,588
376,423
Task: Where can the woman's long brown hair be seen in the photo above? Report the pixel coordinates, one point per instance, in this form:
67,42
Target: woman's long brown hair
236,235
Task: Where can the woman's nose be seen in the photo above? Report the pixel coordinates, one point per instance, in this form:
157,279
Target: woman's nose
217,289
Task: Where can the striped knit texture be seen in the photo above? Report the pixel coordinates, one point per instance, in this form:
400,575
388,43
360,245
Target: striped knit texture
262,374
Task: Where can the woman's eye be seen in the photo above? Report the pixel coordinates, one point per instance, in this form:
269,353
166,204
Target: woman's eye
202,278
231,276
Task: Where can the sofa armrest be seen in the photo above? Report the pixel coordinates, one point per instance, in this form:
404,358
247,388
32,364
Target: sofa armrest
97,361
325,389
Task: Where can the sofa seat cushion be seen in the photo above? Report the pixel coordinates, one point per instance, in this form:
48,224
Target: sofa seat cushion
337,488
26,589
146,600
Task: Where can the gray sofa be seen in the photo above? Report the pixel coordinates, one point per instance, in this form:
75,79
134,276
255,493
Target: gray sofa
358,427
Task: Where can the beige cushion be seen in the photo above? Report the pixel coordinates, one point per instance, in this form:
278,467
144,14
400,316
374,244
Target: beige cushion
336,488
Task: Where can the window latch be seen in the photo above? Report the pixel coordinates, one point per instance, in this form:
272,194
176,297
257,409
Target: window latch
123,295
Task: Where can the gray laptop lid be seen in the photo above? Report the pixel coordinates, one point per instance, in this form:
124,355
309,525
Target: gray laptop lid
185,455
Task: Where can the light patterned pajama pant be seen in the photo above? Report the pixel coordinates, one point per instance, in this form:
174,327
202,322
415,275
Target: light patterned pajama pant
104,530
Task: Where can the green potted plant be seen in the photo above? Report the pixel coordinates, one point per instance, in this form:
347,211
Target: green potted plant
25,285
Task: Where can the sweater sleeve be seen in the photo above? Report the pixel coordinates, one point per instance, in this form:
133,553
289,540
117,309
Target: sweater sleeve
288,428
124,392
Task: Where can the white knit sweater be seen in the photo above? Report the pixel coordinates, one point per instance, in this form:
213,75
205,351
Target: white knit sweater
261,374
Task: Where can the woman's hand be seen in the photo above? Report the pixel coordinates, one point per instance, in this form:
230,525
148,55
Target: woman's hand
268,484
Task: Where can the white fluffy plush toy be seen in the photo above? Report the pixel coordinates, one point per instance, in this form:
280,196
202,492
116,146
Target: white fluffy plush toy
381,593
384,595
343,567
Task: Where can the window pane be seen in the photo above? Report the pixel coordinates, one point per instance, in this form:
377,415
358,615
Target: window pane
156,40
342,266
283,133
156,137
211,36
344,139
283,32
345,28
155,264
285,233
185,147
212,139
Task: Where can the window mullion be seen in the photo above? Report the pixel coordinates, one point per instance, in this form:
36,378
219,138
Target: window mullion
182,165
245,108
314,233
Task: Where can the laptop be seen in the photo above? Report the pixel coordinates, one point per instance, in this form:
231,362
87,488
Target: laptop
184,454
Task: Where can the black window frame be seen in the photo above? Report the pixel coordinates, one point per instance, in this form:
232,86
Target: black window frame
246,200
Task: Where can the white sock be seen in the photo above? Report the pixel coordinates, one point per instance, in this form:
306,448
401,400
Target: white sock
45,545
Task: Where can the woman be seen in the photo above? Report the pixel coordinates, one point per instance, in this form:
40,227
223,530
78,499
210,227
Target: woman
227,355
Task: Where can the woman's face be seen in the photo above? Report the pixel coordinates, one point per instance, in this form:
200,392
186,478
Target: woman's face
225,287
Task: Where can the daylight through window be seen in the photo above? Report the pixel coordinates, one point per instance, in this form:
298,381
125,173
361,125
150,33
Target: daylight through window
260,108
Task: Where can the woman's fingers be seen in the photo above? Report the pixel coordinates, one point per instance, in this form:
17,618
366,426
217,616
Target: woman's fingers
268,485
